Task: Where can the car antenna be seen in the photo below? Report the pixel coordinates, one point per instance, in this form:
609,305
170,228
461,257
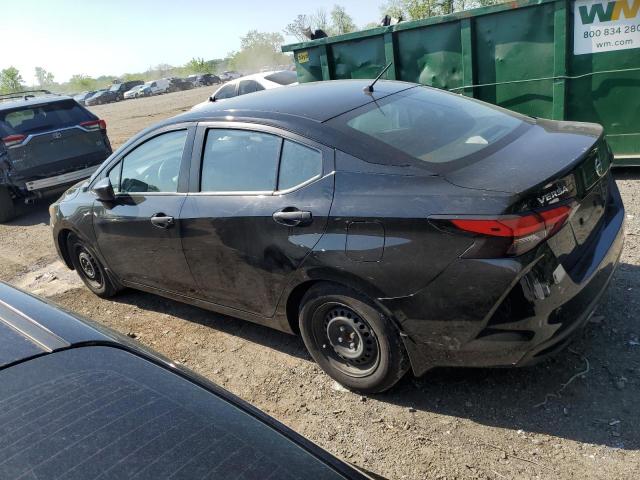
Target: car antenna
369,88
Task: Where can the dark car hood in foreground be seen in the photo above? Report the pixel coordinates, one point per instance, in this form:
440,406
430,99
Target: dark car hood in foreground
546,150
79,401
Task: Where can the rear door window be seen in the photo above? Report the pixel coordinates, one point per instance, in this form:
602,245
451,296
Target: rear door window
154,166
41,118
298,164
249,86
239,161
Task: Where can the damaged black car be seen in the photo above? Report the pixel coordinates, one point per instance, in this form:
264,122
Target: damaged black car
393,226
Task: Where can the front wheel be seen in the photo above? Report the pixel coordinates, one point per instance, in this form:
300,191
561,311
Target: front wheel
89,268
351,339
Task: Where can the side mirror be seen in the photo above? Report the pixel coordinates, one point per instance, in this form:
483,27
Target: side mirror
212,98
104,191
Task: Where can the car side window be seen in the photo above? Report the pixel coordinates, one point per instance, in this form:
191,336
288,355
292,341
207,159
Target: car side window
154,166
114,177
298,164
239,161
249,86
227,91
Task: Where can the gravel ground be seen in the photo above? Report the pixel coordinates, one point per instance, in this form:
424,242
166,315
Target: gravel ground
451,423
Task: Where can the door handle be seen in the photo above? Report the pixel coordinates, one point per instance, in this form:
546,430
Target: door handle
161,220
292,217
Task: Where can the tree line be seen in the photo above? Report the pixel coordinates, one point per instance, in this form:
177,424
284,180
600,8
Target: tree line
257,49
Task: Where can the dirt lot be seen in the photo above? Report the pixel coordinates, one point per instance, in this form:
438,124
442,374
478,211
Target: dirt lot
448,424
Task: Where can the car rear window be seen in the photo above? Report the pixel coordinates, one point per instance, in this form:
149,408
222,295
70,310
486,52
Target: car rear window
428,125
101,412
283,78
43,117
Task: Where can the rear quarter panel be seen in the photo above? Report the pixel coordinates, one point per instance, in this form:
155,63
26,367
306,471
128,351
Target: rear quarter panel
379,236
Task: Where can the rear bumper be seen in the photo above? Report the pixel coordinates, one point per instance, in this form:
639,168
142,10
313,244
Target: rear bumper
59,180
509,312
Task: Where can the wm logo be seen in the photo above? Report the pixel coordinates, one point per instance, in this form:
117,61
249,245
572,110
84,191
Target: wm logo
610,11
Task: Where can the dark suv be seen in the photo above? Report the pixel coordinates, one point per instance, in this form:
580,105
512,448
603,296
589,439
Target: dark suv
205,80
46,143
114,94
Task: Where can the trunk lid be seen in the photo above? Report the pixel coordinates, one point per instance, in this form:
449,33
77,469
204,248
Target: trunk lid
552,163
546,151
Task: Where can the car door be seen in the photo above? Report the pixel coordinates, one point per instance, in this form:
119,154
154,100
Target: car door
258,204
139,234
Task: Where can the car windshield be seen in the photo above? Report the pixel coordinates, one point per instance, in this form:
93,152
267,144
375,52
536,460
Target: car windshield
283,78
430,125
39,118
115,87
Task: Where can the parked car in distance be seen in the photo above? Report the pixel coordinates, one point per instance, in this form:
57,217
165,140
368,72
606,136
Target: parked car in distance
159,86
47,142
137,91
97,92
202,80
250,84
81,97
393,225
229,75
152,87
114,93
82,402
179,84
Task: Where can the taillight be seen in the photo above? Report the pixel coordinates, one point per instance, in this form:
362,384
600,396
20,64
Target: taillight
510,234
94,125
13,140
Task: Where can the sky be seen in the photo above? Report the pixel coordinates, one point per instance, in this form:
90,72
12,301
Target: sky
68,37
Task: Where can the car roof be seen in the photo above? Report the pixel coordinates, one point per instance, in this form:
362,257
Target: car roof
317,101
32,101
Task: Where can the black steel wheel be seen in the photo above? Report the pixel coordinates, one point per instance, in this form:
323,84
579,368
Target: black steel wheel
347,340
351,339
89,268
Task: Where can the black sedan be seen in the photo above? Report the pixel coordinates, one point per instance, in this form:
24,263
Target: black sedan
393,227
80,402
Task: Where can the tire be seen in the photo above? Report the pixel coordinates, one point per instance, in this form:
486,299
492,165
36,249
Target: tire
7,207
351,339
89,268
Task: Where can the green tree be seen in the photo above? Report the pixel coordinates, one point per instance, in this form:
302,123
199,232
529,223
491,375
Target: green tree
417,9
341,21
45,79
298,26
10,80
198,65
258,49
80,82
336,23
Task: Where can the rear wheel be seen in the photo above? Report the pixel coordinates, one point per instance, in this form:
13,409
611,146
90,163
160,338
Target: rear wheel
7,207
351,339
89,268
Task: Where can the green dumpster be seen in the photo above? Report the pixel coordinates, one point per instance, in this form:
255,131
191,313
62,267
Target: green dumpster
559,59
